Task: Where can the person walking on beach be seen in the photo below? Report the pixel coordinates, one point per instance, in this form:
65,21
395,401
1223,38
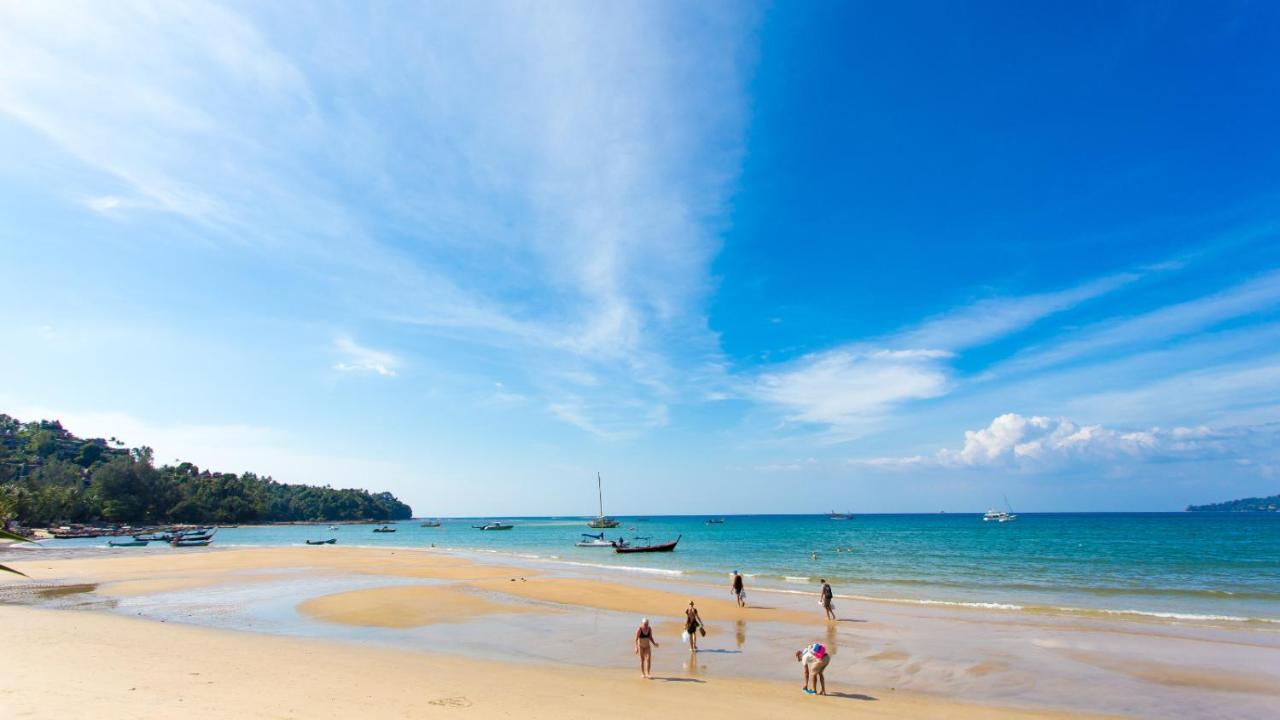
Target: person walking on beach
827,596
815,660
645,642
738,591
692,626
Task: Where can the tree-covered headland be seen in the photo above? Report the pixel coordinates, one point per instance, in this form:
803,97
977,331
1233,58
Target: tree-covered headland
49,476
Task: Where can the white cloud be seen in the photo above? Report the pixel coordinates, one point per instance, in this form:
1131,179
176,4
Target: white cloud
1039,443
537,178
1257,295
103,203
848,387
991,319
358,358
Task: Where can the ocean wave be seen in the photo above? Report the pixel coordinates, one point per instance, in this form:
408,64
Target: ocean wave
1041,609
1189,617
624,568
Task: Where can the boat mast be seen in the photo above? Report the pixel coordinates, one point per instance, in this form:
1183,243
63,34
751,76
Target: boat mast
600,493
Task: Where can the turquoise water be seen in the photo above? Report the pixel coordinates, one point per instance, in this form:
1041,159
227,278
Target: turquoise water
1179,565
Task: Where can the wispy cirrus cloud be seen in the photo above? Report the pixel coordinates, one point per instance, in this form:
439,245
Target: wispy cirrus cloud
358,358
1251,297
519,177
846,386
849,388
990,319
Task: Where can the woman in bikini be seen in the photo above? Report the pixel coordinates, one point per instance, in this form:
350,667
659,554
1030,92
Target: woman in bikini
645,642
692,624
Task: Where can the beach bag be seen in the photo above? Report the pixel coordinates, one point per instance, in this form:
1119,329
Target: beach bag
684,636
702,630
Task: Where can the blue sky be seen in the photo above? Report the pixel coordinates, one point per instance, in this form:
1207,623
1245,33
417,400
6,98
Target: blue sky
777,258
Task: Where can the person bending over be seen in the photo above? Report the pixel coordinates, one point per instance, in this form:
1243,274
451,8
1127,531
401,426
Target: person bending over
815,659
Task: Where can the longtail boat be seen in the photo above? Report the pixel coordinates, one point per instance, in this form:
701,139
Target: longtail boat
330,541
664,547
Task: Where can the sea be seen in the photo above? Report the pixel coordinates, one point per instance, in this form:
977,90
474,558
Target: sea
1223,568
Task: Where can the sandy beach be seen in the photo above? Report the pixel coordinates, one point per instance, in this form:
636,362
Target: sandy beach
332,632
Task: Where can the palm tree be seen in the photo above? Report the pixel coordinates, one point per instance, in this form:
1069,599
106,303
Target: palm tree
6,535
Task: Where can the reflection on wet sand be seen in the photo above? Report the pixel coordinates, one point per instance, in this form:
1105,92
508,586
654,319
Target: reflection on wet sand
740,633
57,595
691,665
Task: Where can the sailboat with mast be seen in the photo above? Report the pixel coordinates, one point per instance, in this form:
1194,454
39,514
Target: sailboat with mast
601,521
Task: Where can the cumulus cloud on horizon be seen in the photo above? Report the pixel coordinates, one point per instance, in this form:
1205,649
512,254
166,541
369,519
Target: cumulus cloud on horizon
1039,442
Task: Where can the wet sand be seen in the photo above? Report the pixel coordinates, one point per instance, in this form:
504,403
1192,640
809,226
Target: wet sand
387,633
619,597
143,669
406,607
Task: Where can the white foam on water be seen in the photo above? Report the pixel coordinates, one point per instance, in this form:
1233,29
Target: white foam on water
793,579
624,568
1190,617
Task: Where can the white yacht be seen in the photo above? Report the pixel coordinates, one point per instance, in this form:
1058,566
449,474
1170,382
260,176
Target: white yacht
1000,515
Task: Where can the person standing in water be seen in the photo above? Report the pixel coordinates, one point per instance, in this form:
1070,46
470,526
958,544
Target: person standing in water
645,642
827,596
738,591
692,625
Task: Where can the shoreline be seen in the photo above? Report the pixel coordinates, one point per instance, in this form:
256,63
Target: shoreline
421,600
772,583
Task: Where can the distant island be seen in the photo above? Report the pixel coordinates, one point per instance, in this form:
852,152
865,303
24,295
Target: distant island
1271,503
48,476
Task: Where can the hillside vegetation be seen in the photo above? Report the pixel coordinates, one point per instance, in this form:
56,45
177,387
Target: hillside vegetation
49,476
1262,504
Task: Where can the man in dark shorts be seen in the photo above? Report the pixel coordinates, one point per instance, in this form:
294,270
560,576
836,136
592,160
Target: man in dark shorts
827,596
738,590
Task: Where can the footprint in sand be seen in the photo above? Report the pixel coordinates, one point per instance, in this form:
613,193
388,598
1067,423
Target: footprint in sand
451,702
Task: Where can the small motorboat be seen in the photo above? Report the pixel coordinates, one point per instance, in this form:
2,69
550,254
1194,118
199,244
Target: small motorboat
840,516
715,521
494,526
334,527
128,543
330,541
664,547
384,528
430,524
589,540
